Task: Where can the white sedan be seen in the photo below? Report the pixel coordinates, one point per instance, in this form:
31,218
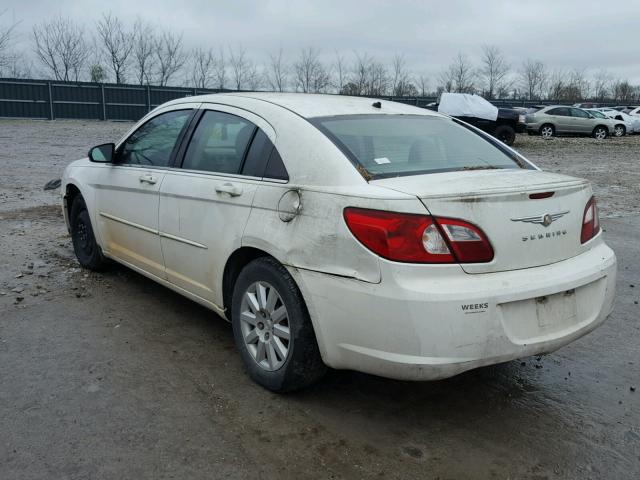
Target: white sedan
346,232
631,123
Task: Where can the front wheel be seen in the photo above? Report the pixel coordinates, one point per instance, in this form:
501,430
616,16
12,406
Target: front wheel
85,246
272,329
600,133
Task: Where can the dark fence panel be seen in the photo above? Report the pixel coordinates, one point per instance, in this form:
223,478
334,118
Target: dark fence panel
83,100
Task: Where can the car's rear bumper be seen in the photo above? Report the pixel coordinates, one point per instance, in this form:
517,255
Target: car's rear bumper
419,326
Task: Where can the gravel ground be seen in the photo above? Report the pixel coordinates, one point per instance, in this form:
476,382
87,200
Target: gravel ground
111,376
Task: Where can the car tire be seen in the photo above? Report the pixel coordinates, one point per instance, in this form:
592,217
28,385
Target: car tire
547,131
619,131
600,132
506,134
279,349
85,245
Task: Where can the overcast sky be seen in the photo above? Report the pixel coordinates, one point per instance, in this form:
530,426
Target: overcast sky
561,33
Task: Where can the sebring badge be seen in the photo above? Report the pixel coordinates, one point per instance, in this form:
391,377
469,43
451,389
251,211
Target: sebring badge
544,220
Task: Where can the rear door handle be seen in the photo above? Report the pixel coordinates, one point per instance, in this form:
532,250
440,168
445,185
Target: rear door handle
147,178
230,189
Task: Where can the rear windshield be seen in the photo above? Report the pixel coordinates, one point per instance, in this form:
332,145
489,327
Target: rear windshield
399,145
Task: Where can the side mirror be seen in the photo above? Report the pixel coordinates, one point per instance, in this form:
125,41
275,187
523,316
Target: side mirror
102,153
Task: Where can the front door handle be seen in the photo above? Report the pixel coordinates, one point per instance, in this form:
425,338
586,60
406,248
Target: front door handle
148,178
230,189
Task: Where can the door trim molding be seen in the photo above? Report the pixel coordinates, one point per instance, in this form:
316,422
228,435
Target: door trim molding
155,232
127,222
183,240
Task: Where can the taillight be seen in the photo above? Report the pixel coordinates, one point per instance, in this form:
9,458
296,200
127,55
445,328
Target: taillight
406,237
590,221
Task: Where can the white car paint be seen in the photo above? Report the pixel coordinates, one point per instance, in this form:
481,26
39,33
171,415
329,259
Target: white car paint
631,123
400,320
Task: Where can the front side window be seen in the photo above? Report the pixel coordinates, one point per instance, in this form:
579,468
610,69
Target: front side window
576,112
398,145
153,143
219,143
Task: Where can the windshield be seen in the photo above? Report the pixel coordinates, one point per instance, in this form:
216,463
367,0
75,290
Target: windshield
398,145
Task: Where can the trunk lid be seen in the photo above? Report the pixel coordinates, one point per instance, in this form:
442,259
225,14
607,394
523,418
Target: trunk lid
524,232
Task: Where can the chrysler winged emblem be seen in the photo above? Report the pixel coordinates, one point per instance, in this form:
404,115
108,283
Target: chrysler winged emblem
545,220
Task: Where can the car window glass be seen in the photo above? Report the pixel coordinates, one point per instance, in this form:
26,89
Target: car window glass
275,168
563,112
219,143
153,143
258,155
396,145
576,112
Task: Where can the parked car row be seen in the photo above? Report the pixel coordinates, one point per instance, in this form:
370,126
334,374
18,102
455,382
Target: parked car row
552,120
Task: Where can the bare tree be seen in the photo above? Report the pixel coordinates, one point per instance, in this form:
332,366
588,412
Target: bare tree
220,70
6,35
169,56
60,47
116,44
277,72
144,40
460,76
534,77
340,68
494,70
16,66
601,83
203,63
401,78
253,77
423,85
556,84
311,76
241,67
623,91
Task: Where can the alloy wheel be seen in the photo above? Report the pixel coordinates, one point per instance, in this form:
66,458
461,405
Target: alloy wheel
601,134
264,323
546,132
619,131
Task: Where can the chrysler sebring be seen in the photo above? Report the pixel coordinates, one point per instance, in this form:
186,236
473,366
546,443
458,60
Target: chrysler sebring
346,232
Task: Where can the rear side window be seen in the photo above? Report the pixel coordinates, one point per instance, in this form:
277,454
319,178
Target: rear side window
263,160
153,143
219,143
563,112
398,145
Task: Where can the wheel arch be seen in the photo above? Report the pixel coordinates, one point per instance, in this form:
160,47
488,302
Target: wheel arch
239,259
70,194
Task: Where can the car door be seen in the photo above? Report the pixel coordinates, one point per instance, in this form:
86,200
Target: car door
127,191
560,119
581,120
206,200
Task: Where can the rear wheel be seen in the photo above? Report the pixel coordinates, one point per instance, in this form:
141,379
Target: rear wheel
84,241
505,133
547,131
600,133
620,131
272,329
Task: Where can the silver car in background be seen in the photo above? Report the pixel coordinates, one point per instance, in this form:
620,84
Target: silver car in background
564,120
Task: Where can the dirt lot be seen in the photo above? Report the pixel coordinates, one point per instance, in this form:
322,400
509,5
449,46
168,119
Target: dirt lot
112,376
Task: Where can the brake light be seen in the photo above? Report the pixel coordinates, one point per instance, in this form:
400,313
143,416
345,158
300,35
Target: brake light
406,237
590,221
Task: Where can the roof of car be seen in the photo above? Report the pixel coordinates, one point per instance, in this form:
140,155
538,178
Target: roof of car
310,105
